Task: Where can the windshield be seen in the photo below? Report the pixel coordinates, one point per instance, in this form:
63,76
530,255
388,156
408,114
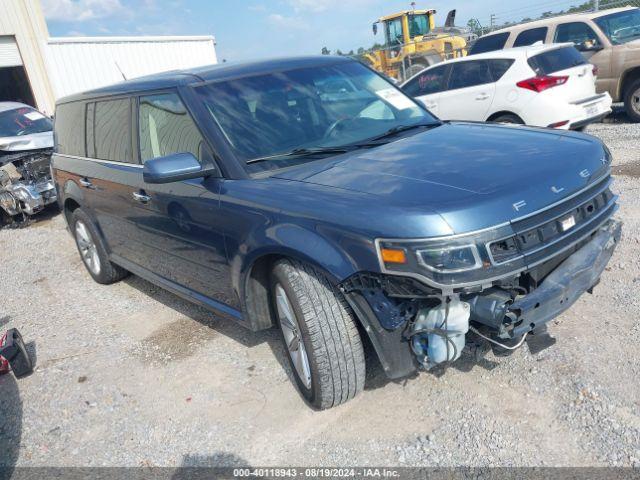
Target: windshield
621,27
23,121
307,108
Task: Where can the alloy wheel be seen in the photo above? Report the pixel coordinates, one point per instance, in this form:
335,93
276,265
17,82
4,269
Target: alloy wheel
292,336
87,247
635,101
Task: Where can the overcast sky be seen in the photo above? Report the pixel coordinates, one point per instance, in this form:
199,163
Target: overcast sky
254,29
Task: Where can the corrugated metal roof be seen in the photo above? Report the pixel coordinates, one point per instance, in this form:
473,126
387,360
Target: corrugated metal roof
80,64
132,39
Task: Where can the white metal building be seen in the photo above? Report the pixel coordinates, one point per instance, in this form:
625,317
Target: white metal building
80,63
37,70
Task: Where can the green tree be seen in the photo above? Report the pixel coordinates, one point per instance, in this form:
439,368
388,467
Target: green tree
326,51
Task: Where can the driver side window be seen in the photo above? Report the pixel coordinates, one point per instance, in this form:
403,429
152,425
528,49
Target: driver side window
579,33
165,127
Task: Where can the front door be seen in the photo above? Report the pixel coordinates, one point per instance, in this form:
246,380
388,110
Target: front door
427,87
180,222
592,48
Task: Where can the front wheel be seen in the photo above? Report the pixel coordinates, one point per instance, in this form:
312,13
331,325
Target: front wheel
632,101
320,335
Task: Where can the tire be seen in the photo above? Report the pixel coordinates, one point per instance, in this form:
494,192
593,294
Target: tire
632,100
330,339
508,118
92,250
415,69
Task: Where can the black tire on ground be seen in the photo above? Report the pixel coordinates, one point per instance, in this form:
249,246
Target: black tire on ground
108,272
328,331
632,100
508,118
415,69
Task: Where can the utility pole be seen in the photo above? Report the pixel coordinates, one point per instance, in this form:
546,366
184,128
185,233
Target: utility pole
596,5
493,20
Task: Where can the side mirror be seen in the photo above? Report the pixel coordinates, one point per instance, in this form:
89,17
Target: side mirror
173,168
374,27
589,46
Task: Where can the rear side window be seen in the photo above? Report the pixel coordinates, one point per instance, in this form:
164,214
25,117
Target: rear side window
165,127
69,129
490,43
577,32
531,36
499,67
469,74
556,60
430,81
109,131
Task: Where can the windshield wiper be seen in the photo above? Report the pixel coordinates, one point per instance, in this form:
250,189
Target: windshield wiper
403,128
303,152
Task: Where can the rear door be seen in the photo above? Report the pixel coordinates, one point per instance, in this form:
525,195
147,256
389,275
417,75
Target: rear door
469,92
427,86
114,174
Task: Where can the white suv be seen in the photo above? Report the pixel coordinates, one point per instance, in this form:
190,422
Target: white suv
541,85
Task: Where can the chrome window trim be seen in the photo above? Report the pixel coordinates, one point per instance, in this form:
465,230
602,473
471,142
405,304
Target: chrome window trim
109,162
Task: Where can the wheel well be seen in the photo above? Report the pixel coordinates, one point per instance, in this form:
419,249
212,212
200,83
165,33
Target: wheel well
504,112
257,299
629,77
70,205
257,294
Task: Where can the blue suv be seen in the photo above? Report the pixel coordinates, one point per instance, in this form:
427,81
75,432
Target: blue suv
313,195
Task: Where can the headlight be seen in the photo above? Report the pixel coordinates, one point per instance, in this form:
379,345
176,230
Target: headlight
453,261
450,259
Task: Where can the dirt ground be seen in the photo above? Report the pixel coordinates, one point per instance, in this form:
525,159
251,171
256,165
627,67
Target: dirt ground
131,375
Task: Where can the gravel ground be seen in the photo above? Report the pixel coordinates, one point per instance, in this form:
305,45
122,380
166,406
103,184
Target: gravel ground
130,375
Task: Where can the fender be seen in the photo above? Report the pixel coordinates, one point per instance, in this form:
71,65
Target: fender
292,241
297,242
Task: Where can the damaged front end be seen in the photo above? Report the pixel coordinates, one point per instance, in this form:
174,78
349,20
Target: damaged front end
26,186
501,284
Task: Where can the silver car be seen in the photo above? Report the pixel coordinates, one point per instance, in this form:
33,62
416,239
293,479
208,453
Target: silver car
26,143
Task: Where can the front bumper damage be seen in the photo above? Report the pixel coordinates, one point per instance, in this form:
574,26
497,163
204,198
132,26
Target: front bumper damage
27,198
26,186
561,288
388,307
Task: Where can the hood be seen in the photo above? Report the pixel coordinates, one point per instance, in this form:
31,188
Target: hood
473,175
35,141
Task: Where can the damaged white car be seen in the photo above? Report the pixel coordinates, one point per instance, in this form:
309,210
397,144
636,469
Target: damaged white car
26,143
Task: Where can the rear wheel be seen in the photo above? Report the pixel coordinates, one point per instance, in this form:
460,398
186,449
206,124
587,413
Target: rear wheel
320,335
92,250
508,118
632,100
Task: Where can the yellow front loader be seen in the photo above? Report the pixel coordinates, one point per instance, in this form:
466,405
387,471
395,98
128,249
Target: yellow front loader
412,42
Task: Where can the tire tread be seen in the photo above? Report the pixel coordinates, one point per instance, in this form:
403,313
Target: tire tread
336,344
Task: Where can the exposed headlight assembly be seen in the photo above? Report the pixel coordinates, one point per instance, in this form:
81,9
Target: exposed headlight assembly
454,261
450,259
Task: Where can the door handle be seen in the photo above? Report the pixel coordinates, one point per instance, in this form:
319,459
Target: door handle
483,96
85,182
141,197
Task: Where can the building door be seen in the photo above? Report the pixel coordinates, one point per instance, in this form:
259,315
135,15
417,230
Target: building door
14,83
